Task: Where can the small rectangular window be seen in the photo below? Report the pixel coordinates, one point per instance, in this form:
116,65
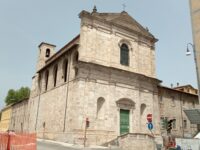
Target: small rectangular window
173,101
184,124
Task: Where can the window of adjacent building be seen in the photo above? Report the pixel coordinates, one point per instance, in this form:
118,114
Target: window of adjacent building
184,124
100,108
47,52
174,124
65,70
193,104
173,101
55,75
46,79
124,55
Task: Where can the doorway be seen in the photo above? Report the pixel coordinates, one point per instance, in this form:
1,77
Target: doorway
124,121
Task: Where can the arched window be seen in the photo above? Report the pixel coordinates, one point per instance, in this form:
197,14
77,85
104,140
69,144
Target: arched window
100,108
124,55
142,108
47,52
46,79
75,61
55,75
39,82
65,67
75,58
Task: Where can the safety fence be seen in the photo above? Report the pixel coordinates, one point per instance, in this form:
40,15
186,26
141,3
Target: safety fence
12,141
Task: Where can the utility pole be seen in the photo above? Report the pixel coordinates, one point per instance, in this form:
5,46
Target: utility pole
195,17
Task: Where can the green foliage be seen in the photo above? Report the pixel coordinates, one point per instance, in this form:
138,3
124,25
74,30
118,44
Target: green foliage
14,96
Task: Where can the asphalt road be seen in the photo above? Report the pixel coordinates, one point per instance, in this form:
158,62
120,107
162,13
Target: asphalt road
51,146
42,145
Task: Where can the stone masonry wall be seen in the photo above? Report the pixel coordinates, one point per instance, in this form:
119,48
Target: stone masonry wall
100,44
172,103
95,82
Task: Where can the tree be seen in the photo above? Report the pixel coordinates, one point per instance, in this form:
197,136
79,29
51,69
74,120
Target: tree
14,96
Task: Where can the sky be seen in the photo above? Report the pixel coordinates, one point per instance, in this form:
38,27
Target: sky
24,24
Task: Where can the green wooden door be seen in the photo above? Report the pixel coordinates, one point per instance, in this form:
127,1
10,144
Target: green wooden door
124,121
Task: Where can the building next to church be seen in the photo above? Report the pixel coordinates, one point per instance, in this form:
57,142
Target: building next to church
5,118
106,74
172,102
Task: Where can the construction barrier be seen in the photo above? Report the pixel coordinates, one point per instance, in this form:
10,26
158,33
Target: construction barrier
12,141
3,141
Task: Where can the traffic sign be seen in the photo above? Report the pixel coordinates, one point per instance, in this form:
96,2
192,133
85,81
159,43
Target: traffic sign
150,126
149,117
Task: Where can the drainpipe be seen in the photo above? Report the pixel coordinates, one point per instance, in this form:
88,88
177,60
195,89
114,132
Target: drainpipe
182,114
67,92
38,107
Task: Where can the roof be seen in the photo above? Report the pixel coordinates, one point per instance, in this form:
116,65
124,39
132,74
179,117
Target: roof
188,85
193,115
10,105
122,19
164,87
46,44
71,44
26,99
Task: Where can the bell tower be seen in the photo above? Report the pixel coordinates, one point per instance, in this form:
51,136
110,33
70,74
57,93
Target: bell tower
46,50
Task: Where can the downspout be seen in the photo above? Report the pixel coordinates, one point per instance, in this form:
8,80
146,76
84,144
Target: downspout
38,107
67,93
182,114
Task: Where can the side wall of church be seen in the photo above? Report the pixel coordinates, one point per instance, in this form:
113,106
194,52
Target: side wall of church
47,106
19,117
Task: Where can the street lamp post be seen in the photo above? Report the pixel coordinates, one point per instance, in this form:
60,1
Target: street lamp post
188,52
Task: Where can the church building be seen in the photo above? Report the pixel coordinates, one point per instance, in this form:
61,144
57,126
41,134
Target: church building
105,75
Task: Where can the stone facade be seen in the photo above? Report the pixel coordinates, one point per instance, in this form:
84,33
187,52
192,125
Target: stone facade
19,117
172,103
5,118
86,80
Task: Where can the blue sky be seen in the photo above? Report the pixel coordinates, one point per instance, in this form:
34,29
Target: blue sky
24,24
